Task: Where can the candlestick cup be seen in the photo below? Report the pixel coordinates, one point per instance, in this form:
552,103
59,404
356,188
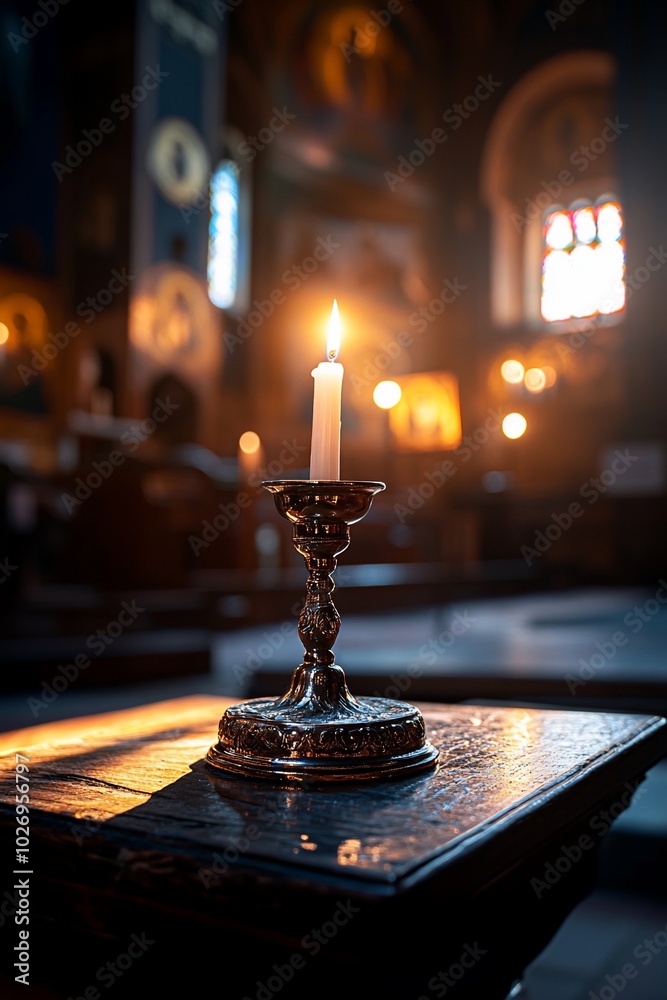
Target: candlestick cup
317,730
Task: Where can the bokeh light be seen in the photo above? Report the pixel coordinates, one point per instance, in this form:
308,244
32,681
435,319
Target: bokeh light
512,371
249,442
514,425
386,394
549,375
535,380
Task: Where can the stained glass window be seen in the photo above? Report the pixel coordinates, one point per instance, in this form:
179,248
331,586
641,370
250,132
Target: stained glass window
583,261
223,240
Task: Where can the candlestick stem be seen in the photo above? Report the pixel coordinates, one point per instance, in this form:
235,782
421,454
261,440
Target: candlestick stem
319,621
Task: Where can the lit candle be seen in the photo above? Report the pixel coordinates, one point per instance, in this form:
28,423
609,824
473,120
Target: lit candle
325,441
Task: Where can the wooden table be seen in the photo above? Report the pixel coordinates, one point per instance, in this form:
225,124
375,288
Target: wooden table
152,875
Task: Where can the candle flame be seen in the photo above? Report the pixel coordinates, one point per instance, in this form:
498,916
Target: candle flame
333,333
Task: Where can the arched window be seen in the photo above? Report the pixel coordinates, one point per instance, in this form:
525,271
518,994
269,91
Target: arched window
229,236
549,179
583,261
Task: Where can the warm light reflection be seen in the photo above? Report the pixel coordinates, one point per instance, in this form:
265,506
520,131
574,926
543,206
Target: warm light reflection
514,425
583,265
348,852
386,394
535,380
108,744
519,732
352,852
333,333
4,333
512,371
249,442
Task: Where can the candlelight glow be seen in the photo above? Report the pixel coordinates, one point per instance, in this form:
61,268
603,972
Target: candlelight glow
4,333
514,425
333,333
249,442
386,394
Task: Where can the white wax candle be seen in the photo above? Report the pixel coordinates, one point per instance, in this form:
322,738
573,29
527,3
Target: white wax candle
325,441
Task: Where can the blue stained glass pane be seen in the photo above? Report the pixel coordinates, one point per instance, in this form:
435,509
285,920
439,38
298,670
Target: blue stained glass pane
223,242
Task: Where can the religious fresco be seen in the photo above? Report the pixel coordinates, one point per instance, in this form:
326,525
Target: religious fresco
427,416
357,83
171,317
23,330
173,327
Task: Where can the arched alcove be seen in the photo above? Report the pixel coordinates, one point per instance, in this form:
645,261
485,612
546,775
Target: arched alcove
551,145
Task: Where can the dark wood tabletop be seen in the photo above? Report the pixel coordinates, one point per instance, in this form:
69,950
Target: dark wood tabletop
390,887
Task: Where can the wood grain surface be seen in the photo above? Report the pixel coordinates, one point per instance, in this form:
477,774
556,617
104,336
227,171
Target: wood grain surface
141,772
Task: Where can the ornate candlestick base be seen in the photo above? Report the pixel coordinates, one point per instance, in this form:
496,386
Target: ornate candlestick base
317,731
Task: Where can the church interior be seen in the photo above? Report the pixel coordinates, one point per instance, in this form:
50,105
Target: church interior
459,211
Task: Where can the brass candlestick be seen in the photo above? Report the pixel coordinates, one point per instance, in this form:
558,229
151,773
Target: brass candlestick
318,731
